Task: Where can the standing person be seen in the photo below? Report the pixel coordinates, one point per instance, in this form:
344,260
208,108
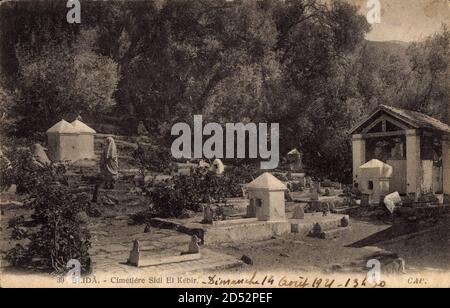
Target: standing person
109,163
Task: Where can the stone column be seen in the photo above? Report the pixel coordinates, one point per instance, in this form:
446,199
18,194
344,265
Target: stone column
413,163
446,164
359,154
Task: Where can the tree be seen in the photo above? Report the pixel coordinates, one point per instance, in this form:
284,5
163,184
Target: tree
62,80
427,88
316,43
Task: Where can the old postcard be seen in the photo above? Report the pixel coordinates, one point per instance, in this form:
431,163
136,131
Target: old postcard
203,144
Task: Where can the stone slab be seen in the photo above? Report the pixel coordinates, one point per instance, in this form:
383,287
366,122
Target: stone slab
246,232
233,221
334,233
147,261
304,226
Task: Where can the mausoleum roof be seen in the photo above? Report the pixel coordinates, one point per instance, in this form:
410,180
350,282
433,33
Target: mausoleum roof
385,170
294,152
80,127
266,181
62,127
414,119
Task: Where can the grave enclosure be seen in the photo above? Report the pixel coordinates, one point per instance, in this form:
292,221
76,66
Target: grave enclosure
266,218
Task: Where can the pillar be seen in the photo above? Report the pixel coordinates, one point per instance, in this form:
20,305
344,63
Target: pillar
446,165
359,154
413,162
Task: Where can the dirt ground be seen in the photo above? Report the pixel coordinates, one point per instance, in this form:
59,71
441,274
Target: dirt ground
112,238
344,254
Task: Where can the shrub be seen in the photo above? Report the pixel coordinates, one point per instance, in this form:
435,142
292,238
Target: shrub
62,236
18,256
26,175
169,201
153,158
172,197
188,192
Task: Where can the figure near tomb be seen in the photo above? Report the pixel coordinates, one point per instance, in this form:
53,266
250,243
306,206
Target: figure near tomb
109,163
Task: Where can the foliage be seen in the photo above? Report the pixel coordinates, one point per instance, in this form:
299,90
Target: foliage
28,177
171,197
62,235
153,158
62,80
301,63
18,256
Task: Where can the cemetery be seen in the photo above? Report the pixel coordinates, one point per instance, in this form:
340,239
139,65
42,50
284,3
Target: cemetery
223,221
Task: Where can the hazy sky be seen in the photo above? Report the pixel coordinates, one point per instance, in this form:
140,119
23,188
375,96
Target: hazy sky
407,20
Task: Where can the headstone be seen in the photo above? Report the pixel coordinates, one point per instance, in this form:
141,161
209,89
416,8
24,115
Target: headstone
208,215
317,230
299,213
315,192
365,200
40,158
295,160
345,222
134,254
446,199
194,245
288,196
12,189
95,194
139,180
141,129
218,167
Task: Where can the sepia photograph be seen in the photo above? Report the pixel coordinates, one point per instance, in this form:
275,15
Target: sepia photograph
224,144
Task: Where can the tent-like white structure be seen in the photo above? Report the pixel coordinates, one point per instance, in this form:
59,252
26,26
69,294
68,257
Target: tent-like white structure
70,141
85,140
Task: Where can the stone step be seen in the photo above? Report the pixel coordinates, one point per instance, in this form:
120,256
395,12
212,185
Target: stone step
334,233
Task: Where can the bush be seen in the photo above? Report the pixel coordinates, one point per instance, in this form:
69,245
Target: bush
18,256
169,201
172,197
153,158
62,236
26,175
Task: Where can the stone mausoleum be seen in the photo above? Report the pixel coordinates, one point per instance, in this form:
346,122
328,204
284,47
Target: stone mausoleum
415,145
70,141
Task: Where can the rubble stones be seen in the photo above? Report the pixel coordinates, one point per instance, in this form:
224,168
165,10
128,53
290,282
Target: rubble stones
194,245
247,260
